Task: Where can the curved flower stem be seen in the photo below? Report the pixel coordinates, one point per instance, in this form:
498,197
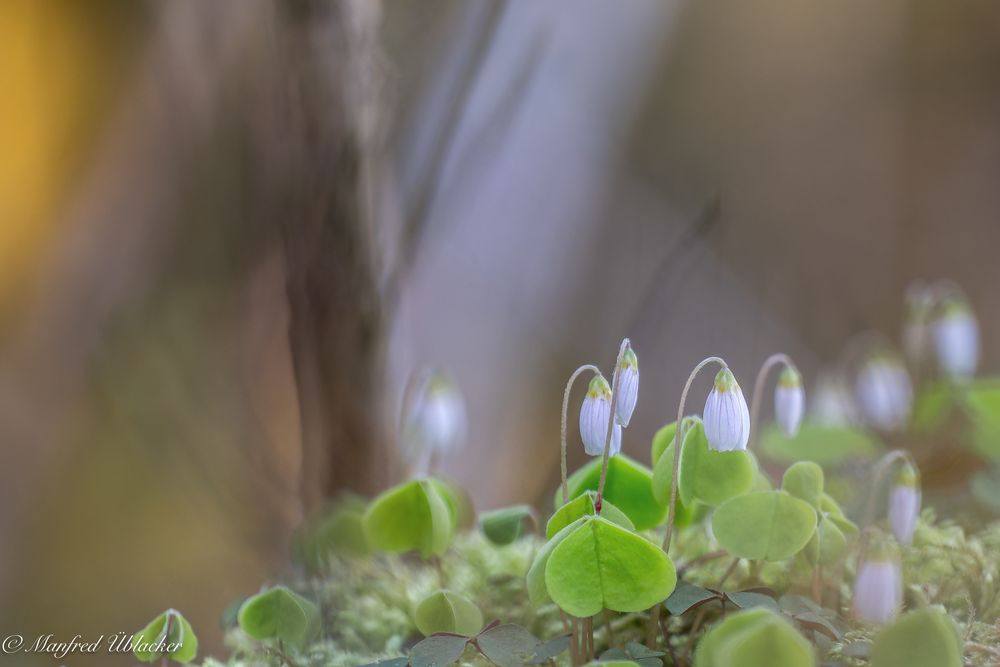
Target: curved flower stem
882,468
626,344
758,388
654,615
565,409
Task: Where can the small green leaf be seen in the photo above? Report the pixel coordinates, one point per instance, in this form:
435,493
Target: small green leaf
818,442
751,599
508,645
924,638
688,596
662,475
628,487
445,611
755,638
504,526
168,635
932,406
438,651
279,613
339,529
412,516
550,649
804,480
537,592
828,544
603,566
709,476
661,440
768,525
819,623
582,506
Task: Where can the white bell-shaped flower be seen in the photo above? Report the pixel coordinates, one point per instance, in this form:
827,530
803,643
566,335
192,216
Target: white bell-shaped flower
594,416
878,588
904,504
436,418
884,393
628,387
916,326
726,417
956,339
789,401
831,403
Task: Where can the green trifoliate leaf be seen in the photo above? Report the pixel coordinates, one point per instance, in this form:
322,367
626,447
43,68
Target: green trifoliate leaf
169,635
710,476
338,530
504,526
767,525
445,611
804,480
754,638
508,645
280,613
924,638
438,651
662,476
628,487
600,565
818,442
537,592
688,596
827,545
411,516
661,440
582,506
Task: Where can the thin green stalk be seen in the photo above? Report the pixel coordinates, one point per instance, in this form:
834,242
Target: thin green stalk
611,424
565,410
758,388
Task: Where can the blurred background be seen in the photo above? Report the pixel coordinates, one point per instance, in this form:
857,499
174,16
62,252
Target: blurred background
230,230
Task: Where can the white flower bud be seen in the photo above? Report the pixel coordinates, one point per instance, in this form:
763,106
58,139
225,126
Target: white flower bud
436,418
789,401
594,416
884,393
628,387
956,340
916,328
878,589
726,417
904,504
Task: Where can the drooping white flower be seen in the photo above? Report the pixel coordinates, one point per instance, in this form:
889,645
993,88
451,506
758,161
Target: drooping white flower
726,417
831,402
878,589
789,401
594,416
436,419
628,387
884,393
956,339
916,327
904,504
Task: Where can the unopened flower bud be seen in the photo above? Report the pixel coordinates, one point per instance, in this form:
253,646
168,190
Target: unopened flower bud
904,503
956,339
884,393
594,416
878,589
628,387
726,417
789,401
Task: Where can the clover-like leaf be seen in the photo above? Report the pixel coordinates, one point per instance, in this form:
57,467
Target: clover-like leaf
537,592
628,487
923,638
445,611
339,529
280,613
411,516
804,480
709,476
663,473
504,526
508,645
766,525
754,638
169,635
661,440
688,596
818,442
550,649
582,506
752,599
828,544
600,565
438,651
